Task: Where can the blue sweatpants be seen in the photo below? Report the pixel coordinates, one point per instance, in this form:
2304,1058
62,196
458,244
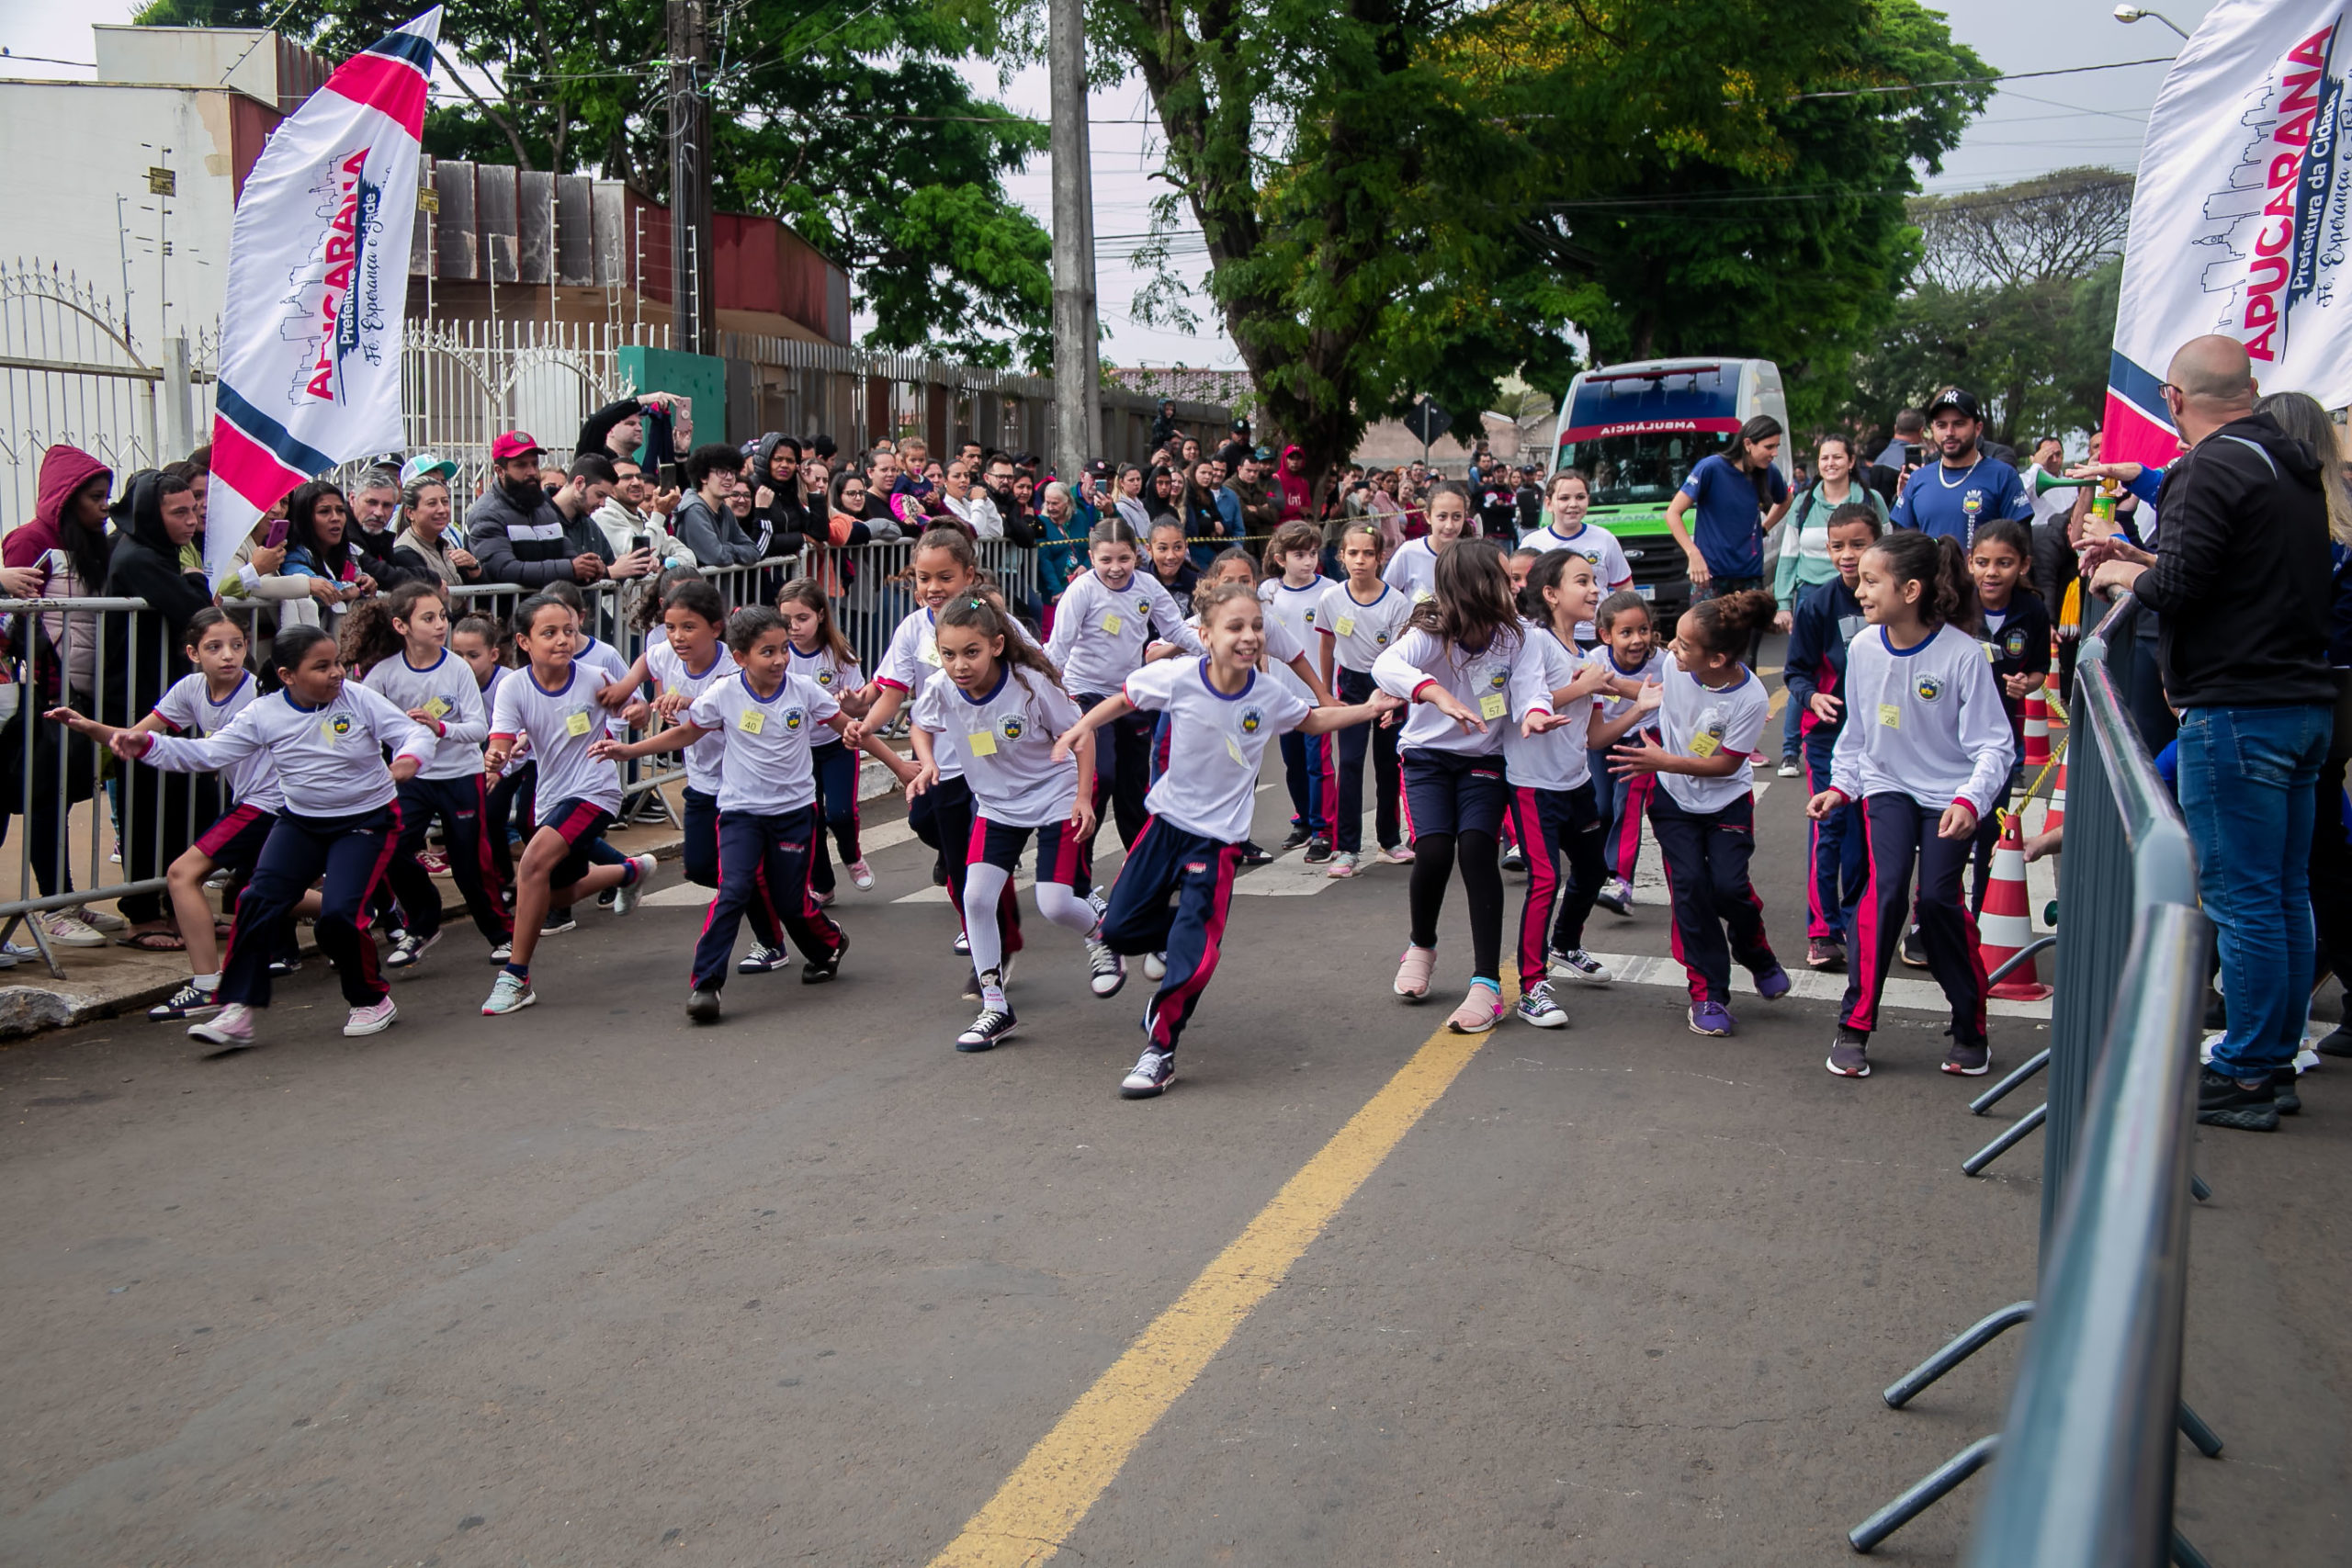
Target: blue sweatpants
1165,862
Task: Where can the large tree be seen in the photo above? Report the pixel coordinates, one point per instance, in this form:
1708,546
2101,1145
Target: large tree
1408,195
855,122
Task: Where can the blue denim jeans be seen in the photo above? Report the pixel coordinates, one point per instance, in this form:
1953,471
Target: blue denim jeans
2246,789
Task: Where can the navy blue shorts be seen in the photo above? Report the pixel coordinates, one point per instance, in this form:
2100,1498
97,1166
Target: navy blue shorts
235,843
1061,856
1448,793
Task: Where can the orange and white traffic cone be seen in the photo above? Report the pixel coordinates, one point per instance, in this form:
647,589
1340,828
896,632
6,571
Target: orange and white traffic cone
2036,730
2005,929
2057,818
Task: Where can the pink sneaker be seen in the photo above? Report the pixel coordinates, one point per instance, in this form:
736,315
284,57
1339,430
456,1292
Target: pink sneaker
1413,972
1401,855
1479,1011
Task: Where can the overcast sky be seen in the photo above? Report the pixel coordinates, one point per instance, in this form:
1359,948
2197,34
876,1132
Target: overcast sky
2030,128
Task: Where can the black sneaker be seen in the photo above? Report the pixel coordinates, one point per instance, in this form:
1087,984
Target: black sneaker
1106,970
1969,1060
762,959
558,922
286,964
408,949
1850,1055
939,874
2337,1044
1295,836
1150,1076
1514,857
190,1001
2283,1093
1914,951
1253,854
604,900
2222,1102
992,1025
1318,850
822,966
703,1006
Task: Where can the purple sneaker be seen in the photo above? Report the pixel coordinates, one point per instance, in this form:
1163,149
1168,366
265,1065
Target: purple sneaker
1710,1017
1773,984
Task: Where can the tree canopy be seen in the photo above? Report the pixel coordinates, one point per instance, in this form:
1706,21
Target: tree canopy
856,123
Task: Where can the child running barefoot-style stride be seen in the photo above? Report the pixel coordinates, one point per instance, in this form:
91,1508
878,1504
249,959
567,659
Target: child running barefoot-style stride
1628,647
1925,752
556,702
1001,708
1712,712
1222,713
1469,668
765,718
325,737
1552,794
1358,619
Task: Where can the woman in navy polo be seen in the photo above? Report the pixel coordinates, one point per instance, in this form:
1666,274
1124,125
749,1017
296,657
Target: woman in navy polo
1738,494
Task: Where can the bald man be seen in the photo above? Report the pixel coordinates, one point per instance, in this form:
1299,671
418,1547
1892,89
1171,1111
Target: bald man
2239,581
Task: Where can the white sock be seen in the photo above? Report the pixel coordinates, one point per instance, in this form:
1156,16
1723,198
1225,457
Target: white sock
207,982
983,887
1064,907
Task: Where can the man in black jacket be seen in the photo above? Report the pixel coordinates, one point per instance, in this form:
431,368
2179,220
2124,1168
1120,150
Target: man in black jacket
516,531
2239,582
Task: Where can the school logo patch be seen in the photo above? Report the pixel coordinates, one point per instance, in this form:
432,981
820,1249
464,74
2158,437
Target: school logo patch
1012,727
340,723
1973,503
2015,643
1928,688
1380,639
794,719
825,678
1252,719
1498,680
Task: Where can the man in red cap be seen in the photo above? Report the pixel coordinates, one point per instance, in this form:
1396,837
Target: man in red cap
516,531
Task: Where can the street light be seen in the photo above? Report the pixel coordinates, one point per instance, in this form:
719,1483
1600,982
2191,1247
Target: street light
2133,13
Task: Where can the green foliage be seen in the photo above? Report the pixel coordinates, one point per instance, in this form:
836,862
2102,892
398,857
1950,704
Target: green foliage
855,123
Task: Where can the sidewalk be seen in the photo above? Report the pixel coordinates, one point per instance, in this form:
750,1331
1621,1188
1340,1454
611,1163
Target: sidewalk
103,982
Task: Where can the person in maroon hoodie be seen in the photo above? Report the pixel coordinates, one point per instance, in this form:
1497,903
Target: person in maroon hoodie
1291,483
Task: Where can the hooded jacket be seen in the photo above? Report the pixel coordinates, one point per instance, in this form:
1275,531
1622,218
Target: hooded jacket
1298,496
2241,581
63,470
145,565
521,542
713,535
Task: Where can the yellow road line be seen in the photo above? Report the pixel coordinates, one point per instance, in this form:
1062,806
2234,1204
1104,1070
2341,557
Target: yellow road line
1042,1501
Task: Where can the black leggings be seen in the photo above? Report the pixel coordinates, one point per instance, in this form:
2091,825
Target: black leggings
1482,886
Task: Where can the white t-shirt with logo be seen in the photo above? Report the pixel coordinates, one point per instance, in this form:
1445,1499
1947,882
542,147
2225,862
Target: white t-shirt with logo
1006,739
1925,721
707,758
1597,545
329,760
1695,720
447,690
1412,571
911,662
832,674
1294,610
1215,744
562,724
188,708
768,771
1361,633
1100,633
1557,759
1500,683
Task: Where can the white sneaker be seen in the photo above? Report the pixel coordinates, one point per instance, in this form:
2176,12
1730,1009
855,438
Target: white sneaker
1106,971
408,949
1536,1007
1151,1074
963,943
1578,965
626,898
508,994
232,1025
1788,768
1343,865
99,919
68,930
372,1020
1155,966
860,875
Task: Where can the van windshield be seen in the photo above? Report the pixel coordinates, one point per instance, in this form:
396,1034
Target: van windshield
1634,470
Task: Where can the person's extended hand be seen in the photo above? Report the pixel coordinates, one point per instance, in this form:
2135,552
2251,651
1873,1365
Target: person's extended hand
1957,822
325,592
1783,620
22,581
1822,807
637,563
666,503
267,558
1446,703
2117,577
1827,707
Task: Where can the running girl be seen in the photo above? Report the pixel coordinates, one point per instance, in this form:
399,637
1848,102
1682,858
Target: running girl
204,703
1412,571
1826,621
1926,754
554,702
1565,529
1552,794
1107,619
2014,626
1001,708
1292,594
1223,714
765,716
1629,648
402,639
1712,711
1357,621
324,736
823,657
1467,666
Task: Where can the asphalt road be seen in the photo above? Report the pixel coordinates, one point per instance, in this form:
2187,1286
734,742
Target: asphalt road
588,1285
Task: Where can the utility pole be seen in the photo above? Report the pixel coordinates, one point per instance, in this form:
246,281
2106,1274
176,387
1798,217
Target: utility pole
1077,362
693,268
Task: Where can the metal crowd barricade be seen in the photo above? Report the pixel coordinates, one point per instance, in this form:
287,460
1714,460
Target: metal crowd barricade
2086,1465
133,809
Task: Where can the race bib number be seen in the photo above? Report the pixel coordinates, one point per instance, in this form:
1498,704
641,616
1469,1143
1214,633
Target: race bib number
751,721
981,743
1112,623
1890,716
930,652
1705,746
1233,750
437,706
576,723
1422,595
1346,626
1493,706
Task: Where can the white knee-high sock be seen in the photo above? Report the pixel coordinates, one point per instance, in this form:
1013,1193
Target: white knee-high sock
1064,907
983,886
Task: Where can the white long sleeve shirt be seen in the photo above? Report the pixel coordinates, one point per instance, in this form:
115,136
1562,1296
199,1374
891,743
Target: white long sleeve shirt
330,760
1557,759
1925,721
1100,635
189,709
1500,684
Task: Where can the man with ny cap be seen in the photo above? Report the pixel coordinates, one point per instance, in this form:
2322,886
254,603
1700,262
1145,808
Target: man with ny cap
1966,486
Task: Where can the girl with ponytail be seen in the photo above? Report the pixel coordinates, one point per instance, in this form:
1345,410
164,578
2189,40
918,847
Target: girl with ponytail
1925,752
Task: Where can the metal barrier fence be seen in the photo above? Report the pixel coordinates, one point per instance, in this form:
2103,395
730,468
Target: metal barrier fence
2088,1449
64,797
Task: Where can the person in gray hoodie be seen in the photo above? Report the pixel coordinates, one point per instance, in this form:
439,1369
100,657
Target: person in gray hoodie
703,522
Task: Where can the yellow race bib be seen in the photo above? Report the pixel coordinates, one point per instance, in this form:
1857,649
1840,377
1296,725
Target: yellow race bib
1422,595
576,723
751,721
437,706
1346,626
982,743
1493,706
1704,745
1112,623
1890,716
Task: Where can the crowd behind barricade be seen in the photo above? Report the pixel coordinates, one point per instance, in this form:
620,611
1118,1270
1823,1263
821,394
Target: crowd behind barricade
394,679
